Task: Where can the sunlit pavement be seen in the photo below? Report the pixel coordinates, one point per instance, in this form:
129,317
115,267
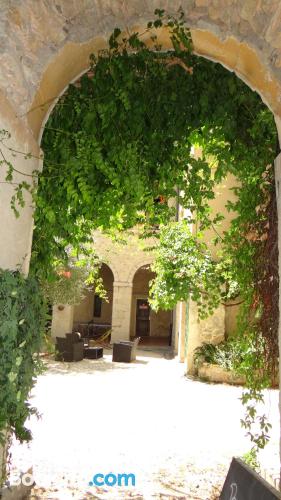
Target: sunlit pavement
144,418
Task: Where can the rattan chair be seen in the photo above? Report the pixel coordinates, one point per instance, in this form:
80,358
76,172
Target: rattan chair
70,347
125,351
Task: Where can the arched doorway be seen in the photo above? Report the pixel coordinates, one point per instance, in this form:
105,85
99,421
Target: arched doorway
154,328
242,39
93,316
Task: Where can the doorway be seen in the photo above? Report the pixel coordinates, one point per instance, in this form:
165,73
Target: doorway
142,318
152,327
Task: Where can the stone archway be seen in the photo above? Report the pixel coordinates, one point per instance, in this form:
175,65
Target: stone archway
46,44
94,314
91,310
144,263
154,328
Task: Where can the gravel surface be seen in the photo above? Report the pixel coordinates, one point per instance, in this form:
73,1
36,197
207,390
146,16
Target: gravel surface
177,435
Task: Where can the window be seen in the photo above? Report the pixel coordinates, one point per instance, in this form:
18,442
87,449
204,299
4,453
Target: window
97,306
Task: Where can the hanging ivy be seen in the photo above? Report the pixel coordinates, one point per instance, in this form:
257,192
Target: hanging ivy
123,135
22,322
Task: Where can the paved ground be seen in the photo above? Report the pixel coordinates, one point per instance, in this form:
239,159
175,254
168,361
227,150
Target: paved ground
175,434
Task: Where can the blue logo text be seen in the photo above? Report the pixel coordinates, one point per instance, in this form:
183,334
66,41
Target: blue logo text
113,480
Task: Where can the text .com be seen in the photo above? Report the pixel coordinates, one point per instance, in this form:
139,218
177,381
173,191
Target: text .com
113,480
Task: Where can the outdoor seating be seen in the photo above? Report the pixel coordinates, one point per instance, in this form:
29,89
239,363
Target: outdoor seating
93,352
125,351
70,347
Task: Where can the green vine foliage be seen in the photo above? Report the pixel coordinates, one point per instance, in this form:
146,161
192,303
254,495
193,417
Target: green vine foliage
22,322
123,135
185,268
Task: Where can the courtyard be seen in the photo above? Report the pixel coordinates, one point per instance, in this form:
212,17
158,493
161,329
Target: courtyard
177,435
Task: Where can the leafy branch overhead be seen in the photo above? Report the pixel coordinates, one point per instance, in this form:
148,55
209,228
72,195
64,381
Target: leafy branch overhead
185,267
123,135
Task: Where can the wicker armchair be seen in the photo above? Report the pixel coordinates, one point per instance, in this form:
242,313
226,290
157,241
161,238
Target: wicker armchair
125,351
70,347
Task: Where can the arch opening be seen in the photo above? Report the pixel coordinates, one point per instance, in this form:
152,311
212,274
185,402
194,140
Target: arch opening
154,328
224,61
93,316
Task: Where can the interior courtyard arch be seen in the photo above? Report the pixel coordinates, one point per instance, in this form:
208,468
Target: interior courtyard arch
154,328
94,315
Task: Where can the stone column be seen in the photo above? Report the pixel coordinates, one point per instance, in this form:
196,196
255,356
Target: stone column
62,320
121,310
182,332
193,335
175,335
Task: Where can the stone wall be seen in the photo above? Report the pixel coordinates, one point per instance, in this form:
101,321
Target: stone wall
215,373
84,312
212,329
222,323
193,335
62,320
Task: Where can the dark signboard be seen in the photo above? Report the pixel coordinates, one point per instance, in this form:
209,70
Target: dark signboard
243,483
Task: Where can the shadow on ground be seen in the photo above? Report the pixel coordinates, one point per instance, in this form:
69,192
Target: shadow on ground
88,366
